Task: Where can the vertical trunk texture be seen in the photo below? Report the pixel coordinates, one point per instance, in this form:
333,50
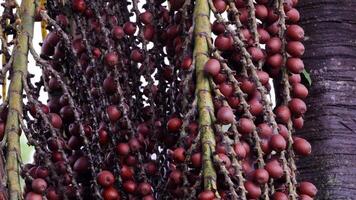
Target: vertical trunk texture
330,29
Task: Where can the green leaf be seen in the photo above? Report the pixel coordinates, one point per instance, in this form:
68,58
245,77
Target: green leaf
307,77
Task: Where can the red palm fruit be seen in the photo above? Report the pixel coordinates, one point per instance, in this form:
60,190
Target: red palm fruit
263,77
2,130
129,186
225,115
113,113
247,86
109,85
245,126
302,147
148,197
212,67
146,17
118,32
240,150
55,120
305,197
176,177
196,160
272,15
274,169
275,61
111,59
293,16
299,91
218,28
260,176
283,131
283,114
297,106
298,123
149,32
295,48
129,28
256,53
144,189
206,195
225,160
295,32
295,65
274,29
253,191
105,178
186,63
126,172
273,46
151,168
261,11
39,185
81,165
220,78
278,143
294,78
307,188
256,108
111,193
226,89
280,196
264,35
220,5
52,194
223,42
264,130
174,125
265,146
179,155
79,5
123,149
33,196
234,102
137,56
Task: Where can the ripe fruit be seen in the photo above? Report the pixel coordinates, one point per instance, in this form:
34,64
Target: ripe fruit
278,143
226,89
253,191
129,28
179,154
299,91
129,186
223,42
111,193
123,149
105,178
212,67
79,5
118,32
187,63
245,126
39,185
55,120
33,196
307,188
283,114
302,147
261,12
219,5
113,113
295,65
280,196
274,169
225,115
256,53
295,48
240,150
273,46
261,176
295,32
206,195
297,106
144,189
275,61
196,160
111,59
146,17
174,125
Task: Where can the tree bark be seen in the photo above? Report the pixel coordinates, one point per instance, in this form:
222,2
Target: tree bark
330,29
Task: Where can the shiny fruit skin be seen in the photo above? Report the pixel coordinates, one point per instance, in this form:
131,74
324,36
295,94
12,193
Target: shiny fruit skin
225,115
105,178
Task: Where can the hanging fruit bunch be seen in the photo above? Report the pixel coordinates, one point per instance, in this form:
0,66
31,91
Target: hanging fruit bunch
158,100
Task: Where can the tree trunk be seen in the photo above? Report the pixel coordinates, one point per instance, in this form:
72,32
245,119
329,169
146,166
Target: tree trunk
330,29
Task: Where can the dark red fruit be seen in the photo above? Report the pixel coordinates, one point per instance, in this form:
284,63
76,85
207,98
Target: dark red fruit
123,149
55,120
256,107
220,5
144,189
223,42
113,113
245,126
261,176
174,125
293,15
256,53
79,5
283,114
129,186
240,150
187,63
299,91
264,130
278,143
261,12
302,147
109,85
275,61
137,56
307,188
105,178
253,191
295,65
129,28
118,32
33,196
111,59
206,195
179,155
39,185
295,48
263,77
146,17
225,115
81,165
295,32
196,160
280,196
297,106
274,169
212,67
274,45
298,123
111,193
226,89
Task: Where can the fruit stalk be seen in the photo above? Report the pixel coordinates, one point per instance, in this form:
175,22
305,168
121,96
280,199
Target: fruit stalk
203,91
12,130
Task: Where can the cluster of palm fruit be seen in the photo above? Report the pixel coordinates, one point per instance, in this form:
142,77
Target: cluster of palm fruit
124,118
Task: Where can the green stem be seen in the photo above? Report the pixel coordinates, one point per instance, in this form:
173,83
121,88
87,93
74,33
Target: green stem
202,31
19,68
